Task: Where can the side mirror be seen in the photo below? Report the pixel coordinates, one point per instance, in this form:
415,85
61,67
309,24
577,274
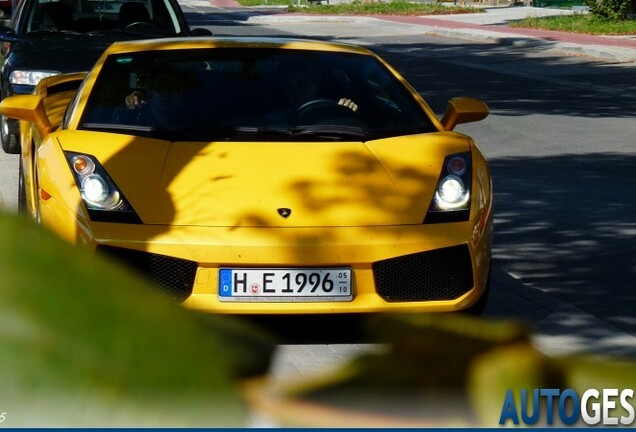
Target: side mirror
28,108
7,34
201,32
464,110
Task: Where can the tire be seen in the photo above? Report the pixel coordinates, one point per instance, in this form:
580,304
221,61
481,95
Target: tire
478,308
10,142
22,206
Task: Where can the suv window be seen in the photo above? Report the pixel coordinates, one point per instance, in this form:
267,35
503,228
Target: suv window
83,16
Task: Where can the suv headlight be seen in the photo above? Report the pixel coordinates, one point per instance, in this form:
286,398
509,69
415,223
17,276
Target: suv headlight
19,77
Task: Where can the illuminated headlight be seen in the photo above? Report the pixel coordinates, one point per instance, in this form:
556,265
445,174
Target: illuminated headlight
451,202
19,77
96,192
101,196
451,193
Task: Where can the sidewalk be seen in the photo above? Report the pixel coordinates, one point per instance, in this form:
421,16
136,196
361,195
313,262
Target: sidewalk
489,26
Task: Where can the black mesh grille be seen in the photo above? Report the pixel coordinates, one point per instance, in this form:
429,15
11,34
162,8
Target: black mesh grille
173,275
443,274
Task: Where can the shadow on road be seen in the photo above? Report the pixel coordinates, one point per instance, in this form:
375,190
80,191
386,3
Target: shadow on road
581,88
566,223
315,329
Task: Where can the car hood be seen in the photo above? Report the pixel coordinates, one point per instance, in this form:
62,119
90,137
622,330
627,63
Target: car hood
231,184
60,52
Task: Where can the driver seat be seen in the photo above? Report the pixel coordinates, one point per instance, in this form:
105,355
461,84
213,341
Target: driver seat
56,16
131,12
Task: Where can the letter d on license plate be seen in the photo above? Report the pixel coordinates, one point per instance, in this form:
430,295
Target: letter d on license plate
285,285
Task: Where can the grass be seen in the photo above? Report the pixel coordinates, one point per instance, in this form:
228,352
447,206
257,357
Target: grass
357,7
579,23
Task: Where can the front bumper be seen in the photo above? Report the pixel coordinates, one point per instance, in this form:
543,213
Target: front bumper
442,267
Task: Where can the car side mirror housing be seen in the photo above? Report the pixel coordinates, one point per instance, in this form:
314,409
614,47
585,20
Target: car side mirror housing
7,34
201,32
464,110
29,108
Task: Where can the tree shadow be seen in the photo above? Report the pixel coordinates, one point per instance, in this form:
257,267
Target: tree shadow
226,18
316,329
590,89
565,224
536,198
586,87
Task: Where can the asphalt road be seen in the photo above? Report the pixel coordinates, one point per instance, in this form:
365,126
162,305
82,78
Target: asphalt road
560,141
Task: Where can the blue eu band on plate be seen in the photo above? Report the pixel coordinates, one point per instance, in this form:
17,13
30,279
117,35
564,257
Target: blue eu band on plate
285,284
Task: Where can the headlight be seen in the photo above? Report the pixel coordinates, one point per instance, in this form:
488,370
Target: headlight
451,193
96,192
451,202
103,200
19,77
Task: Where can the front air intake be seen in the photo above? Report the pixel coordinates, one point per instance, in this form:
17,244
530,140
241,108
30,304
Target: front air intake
173,275
443,274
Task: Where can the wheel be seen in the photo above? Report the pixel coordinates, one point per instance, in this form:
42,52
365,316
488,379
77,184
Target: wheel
9,138
478,308
22,207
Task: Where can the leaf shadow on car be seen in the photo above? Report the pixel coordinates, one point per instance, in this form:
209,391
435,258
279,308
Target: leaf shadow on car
352,182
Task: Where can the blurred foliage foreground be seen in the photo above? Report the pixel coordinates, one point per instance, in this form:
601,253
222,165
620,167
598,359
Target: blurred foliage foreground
441,370
84,343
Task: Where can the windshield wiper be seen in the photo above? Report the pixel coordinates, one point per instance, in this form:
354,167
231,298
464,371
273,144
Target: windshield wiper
331,132
104,32
277,132
167,134
324,132
54,32
246,133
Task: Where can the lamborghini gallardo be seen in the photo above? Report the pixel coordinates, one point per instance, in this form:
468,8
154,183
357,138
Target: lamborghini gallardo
262,176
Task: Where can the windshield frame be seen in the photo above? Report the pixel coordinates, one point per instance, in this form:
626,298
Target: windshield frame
340,124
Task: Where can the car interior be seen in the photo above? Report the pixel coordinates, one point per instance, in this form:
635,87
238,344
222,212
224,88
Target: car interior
83,16
246,91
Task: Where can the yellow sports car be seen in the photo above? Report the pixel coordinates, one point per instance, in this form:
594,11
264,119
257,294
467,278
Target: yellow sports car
256,175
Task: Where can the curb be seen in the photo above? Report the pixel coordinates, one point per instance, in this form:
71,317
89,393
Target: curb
610,53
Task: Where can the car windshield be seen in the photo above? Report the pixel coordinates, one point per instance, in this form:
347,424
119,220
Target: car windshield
102,16
252,94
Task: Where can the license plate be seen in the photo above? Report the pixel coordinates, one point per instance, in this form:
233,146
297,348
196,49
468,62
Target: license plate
285,285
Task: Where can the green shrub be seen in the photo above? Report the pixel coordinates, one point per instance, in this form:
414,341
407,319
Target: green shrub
609,9
85,343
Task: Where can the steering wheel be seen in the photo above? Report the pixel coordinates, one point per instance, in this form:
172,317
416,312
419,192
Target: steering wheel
144,26
317,106
314,105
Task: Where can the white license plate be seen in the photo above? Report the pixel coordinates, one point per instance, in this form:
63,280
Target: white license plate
285,285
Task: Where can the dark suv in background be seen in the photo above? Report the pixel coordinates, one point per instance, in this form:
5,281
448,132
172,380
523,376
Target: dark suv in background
45,38
5,7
